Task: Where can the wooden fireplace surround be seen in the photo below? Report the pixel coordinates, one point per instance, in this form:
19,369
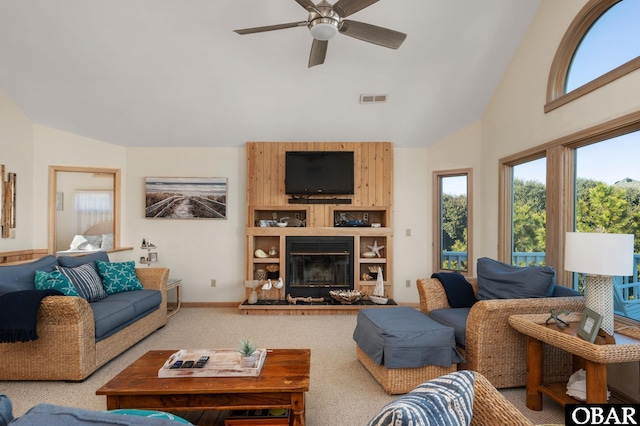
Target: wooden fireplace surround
266,200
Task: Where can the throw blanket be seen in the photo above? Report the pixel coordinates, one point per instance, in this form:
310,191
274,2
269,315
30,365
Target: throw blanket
19,314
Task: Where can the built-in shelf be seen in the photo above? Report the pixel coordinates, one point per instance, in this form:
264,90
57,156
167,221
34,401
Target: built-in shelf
152,255
268,205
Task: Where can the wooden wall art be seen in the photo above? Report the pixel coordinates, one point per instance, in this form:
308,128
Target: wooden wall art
8,202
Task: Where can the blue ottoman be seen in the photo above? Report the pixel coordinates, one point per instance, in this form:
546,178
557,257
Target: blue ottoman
402,347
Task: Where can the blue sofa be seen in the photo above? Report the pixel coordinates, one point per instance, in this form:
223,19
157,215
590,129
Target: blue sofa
84,334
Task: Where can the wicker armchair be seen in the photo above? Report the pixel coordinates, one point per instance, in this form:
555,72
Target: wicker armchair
66,348
490,407
492,347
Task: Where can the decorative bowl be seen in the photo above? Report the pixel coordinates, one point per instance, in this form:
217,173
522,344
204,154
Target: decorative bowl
346,297
378,300
368,254
260,253
283,224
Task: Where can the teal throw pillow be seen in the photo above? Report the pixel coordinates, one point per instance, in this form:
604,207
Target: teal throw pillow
55,280
148,413
118,276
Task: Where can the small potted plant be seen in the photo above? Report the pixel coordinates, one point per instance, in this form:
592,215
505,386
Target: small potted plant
248,353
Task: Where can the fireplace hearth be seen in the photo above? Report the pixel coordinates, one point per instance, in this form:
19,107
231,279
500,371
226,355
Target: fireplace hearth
318,264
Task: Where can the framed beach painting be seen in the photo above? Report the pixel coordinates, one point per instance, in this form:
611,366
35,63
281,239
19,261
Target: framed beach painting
185,197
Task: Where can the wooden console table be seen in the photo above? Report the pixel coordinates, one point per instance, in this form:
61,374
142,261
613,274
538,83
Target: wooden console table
593,358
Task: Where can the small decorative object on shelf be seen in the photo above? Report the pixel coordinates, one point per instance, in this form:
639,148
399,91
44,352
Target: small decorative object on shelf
308,299
559,321
147,244
273,271
152,256
375,248
346,297
260,274
273,252
259,253
378,292
589,325
248,353
253,285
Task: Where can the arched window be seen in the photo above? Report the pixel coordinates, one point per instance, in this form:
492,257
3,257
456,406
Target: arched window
599,46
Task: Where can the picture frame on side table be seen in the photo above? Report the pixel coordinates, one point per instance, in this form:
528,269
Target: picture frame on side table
589,325
185,197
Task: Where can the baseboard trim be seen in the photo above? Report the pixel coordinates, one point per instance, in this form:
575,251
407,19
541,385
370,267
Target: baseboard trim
210,304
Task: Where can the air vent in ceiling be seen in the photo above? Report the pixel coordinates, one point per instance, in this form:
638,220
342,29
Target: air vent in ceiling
372,99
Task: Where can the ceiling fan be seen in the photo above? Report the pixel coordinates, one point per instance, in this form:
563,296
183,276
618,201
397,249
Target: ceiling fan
326,21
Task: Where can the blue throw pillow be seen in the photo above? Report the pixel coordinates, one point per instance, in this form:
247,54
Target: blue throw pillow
55,280
86,280
458,290
446,400
497,280
75,261
119,276
22,277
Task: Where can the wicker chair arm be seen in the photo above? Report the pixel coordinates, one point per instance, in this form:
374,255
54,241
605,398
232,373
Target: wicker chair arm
490,407
432,295
153,278
504,308
491,317
65,311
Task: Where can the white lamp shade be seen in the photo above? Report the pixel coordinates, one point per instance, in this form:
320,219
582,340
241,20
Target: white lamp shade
599,253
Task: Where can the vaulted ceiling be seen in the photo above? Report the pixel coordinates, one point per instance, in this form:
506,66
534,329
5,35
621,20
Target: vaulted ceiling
173,73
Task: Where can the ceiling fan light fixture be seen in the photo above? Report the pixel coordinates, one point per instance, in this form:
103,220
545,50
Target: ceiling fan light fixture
323,28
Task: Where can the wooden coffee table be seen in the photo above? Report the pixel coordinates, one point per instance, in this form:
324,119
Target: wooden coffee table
281,384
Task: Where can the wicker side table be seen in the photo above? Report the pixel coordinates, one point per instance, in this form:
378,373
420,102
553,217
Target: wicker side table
593,358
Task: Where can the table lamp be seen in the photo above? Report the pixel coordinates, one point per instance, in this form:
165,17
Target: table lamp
600,256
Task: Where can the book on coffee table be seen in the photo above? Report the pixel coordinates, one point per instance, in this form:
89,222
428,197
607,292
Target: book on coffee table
221,363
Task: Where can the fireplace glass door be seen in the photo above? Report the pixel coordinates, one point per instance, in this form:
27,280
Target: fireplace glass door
316,265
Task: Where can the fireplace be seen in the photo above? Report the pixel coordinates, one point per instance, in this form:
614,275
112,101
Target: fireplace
316,265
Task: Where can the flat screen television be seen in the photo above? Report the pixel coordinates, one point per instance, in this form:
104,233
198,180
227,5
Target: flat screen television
318,172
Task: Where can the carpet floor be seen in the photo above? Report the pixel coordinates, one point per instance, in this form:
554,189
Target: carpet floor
342,392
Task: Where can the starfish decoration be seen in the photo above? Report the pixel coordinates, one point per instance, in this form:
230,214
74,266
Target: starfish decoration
375,248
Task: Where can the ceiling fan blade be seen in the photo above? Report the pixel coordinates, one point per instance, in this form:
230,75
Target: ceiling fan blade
372,34
307,4
271,28
318,52
345,8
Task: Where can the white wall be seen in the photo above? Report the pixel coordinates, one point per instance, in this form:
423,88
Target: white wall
461,150
195,250
16,150
56,147
515,119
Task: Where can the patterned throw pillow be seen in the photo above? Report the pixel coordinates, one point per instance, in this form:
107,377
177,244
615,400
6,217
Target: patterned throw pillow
119,276
446,400
55,280
86,280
